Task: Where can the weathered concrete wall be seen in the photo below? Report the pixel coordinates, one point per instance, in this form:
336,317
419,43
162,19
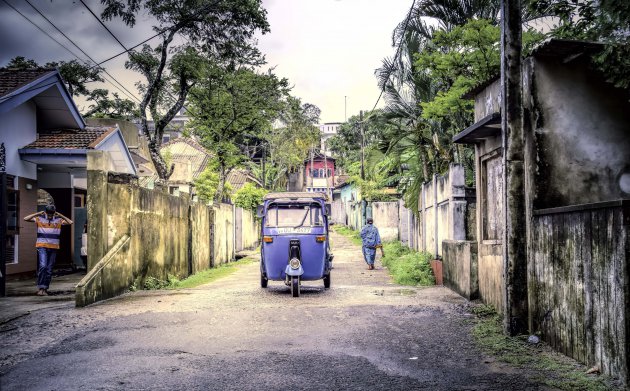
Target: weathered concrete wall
338,212
247,230
574,111
579,284
201,218
459,267
443,207
223,232
488,101
134,233
405,225
385,215
111,276
490,268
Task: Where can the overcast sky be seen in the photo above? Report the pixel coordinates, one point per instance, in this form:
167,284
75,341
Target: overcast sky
328,49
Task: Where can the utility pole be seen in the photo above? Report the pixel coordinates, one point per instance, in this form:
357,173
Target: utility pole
514,237
264,178
345,109
3,221
362,145
312,169
363,202
326,167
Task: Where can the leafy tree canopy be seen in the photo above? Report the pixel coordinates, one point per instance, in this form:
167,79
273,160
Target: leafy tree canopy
249,196
231,110
346,144
216,32
595,20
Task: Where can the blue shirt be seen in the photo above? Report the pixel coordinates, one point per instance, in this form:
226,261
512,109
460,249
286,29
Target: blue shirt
370,236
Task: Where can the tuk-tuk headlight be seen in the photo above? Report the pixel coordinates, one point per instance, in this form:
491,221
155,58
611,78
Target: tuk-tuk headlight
294,263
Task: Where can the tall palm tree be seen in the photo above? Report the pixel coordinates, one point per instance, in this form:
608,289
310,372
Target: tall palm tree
422,146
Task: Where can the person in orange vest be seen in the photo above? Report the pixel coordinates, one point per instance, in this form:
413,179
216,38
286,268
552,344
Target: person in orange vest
49,224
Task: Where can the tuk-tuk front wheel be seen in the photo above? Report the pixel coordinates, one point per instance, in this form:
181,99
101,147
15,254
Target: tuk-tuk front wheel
295,286
263,281
327,281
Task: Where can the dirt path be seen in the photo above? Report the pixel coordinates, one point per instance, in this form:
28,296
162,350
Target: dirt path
363,334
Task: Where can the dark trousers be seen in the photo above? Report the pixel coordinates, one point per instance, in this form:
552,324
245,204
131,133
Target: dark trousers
45,262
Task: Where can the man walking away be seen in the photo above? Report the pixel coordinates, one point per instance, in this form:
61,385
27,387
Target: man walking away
49,224
371,241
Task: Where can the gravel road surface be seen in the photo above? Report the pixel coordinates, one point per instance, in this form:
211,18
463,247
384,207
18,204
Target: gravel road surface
364,333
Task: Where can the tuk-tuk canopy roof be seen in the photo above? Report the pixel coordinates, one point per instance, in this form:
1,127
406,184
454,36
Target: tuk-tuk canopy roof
295,196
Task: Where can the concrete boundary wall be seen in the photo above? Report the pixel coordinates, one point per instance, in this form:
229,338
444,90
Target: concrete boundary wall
459,267
135,233
385,215
247,229
443,207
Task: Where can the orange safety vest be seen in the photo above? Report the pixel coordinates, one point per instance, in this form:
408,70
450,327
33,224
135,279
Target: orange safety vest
48,232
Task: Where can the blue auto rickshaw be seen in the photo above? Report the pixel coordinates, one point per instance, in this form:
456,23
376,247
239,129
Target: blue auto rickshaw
295,244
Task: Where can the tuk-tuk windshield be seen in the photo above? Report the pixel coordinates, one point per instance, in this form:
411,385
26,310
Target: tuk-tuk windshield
294,215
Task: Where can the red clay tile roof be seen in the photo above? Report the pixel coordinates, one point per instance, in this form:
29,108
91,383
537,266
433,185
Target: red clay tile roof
12,79
72,139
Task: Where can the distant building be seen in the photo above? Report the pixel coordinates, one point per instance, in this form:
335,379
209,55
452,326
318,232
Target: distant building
319,174
175,128
328,130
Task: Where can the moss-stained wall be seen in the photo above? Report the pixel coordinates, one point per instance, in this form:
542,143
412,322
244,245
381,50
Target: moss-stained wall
490,267
578,275
136,232
223,232
247,230
459,267
581,126
201,218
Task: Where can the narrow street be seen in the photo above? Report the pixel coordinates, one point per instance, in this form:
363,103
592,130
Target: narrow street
363,334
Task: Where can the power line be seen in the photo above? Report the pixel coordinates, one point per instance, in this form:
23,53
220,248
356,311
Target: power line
123,46
40,29
131,95
59,43
130,49
402,36
103,24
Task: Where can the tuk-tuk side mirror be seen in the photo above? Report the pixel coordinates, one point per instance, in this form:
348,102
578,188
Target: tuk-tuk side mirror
328,210
260,209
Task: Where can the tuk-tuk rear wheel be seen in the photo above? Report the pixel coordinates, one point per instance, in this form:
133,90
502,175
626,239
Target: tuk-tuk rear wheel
295,286
327,281
263,281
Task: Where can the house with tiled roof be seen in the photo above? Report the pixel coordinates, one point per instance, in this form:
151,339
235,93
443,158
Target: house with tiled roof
190,160
45,142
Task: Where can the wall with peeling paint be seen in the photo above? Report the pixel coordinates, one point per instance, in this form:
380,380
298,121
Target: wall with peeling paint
581,127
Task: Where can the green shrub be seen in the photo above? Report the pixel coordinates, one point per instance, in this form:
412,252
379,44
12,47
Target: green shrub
407,266
249,197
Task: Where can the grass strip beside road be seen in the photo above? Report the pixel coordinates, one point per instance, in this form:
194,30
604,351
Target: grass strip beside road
406,266
203,277
548,367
